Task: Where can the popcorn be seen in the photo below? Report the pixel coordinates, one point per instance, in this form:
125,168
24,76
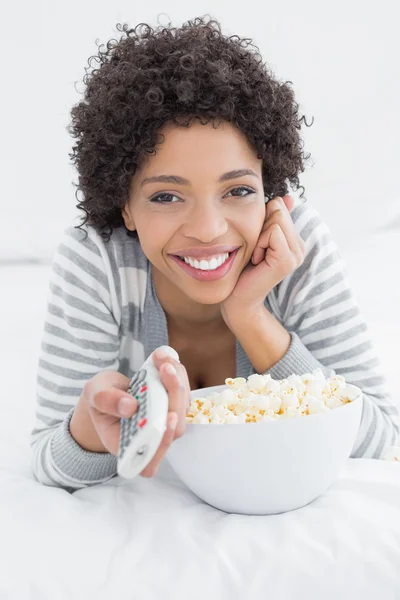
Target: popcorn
263,399
316,405
290,401
200,418
275,403
256,383
334,402
226,397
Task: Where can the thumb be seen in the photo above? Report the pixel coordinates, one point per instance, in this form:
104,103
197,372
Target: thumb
105,391
115,403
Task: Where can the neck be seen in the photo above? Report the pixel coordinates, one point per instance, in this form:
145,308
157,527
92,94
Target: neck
183,312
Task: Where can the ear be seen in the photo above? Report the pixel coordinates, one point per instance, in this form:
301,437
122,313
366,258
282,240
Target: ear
127,217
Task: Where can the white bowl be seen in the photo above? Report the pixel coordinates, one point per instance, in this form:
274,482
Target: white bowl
269,467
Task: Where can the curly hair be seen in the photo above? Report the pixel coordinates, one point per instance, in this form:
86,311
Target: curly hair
153,76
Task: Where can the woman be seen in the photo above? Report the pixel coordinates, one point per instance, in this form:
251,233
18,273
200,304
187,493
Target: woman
186,146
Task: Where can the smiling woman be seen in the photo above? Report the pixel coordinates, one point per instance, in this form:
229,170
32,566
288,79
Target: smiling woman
186,150
211,210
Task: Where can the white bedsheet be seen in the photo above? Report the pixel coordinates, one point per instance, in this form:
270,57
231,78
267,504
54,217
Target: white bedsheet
153,539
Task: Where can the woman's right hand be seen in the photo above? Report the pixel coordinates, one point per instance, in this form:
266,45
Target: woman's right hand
107,402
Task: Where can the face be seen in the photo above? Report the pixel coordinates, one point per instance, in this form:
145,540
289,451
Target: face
198,229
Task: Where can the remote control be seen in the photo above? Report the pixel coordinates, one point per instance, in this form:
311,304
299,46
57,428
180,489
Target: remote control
141,435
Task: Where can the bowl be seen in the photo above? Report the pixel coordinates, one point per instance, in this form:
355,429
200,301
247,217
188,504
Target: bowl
268,467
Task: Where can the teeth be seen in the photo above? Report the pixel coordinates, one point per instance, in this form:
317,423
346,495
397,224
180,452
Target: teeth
214,263
207,265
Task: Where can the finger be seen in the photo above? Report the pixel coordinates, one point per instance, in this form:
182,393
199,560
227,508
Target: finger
281,214
294,240
161,354
166,441
258,255
274,205
180,369
273,244
160,357
274,267
178,394
178,402
264,240
116,403
278,252
278,257
106,410
274,212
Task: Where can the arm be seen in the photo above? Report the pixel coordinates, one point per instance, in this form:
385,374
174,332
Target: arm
80,339
316,306
272,349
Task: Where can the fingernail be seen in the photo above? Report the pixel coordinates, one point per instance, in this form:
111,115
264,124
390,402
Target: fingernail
170,369
126,406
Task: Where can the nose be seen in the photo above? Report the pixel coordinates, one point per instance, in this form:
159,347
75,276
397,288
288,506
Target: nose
206,222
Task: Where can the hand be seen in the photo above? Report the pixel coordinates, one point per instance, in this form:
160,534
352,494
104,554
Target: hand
104,391
278,252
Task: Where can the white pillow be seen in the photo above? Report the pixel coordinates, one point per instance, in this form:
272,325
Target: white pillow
31,239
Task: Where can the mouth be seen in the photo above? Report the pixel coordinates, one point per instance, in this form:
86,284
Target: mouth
212,269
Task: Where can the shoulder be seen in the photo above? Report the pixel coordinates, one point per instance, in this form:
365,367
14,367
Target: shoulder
120,251
308,222
117,263
81,250
322,270
116,267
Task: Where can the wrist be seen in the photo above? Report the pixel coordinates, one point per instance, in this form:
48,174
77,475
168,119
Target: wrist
247,317
82,429
262,337
243,315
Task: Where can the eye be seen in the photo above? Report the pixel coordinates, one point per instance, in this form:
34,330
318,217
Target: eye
158,199
165,197
246,189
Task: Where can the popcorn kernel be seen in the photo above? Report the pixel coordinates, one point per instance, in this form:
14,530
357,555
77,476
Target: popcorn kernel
261,398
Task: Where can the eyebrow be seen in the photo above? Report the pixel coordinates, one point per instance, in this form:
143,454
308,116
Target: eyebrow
182,181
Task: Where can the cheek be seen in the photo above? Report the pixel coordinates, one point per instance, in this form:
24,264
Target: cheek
148,238
153,237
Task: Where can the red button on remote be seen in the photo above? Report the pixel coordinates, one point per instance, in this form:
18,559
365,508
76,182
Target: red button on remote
142,422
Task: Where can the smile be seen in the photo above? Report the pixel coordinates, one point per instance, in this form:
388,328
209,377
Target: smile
211,269
206,264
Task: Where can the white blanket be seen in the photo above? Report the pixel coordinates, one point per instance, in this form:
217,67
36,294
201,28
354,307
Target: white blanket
153,539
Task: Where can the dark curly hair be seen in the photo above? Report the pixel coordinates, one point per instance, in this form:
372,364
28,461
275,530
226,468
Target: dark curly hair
152,76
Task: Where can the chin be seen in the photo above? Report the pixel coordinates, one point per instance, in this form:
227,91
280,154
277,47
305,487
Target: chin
210,295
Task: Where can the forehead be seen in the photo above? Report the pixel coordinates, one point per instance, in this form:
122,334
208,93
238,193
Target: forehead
208,149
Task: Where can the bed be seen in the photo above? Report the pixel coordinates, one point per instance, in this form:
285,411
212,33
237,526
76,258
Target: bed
152,538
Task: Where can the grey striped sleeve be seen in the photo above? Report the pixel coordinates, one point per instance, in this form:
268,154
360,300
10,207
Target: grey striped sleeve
80,338
316,304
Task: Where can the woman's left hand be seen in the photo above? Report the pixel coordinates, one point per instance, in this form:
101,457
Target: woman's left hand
279,251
